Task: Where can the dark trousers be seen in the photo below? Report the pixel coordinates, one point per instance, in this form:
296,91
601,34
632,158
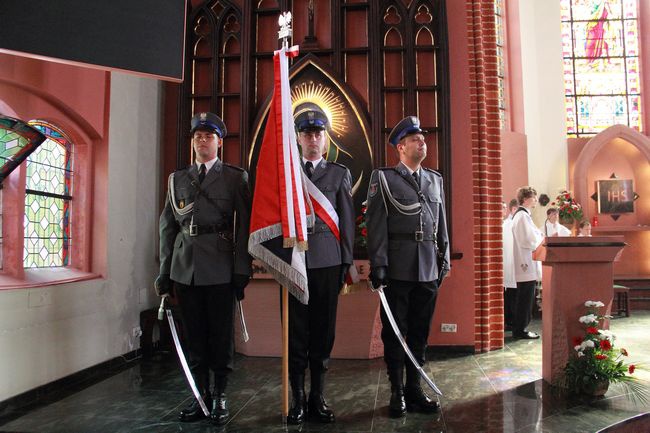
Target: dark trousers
208,323
412,304
509,302
523,306
312,326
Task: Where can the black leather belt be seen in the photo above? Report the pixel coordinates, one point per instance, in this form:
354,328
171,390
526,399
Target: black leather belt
416,236
196,230
318,228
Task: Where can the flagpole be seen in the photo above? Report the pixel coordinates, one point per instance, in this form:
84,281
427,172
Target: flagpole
284,35
285,354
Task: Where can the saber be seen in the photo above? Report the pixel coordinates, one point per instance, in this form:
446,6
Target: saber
181,357
400,337
242,322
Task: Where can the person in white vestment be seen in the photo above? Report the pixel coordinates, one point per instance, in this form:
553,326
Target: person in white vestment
526,238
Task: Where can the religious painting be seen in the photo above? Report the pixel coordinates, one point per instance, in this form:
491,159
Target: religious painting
615,196
348,135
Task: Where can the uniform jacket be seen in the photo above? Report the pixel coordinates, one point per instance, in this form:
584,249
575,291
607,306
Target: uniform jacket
526,238
335,182
211,258
407,259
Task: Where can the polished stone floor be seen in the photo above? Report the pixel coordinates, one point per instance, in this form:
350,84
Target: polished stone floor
500,391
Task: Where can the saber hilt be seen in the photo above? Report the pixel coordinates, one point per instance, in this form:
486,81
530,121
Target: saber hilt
161,309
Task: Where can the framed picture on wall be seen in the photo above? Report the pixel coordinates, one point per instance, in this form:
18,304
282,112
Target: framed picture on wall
615,196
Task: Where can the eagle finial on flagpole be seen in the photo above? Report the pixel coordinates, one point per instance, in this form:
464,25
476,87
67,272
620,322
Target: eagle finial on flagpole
285,32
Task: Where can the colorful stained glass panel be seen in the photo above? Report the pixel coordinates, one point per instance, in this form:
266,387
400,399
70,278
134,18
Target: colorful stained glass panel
597,113
588,42
44,231
594,9
17,141
602,76
601,65
47,201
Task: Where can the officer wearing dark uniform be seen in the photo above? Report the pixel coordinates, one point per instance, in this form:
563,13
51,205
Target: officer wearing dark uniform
203,250
408,249
312,326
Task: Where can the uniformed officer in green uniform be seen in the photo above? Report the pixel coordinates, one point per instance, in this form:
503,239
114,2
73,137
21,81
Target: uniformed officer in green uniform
312,326
408,249
204,251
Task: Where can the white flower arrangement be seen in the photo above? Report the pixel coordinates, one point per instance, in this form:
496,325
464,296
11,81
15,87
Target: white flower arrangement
589,318
594,304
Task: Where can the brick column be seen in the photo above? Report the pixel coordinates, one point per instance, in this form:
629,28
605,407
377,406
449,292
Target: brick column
486,175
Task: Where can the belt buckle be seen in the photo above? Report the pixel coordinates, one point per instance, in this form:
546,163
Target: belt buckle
419,235
194,229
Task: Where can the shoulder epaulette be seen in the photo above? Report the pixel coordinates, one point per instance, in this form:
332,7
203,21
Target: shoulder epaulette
430,170
338,164
385,168
225,164
180,170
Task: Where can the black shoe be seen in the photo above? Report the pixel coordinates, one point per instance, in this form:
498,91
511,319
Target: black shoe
397,405
219,414
526,335
298,411
193,411
418,401
317,409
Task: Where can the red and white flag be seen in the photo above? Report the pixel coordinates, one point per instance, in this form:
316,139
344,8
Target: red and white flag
281,205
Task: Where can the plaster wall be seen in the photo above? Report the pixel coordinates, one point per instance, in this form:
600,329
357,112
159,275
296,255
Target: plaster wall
543,91
51,331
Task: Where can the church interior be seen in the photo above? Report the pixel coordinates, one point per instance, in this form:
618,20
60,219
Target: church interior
510,93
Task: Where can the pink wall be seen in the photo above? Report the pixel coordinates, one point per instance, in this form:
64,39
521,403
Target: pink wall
75,99
514,163
456,297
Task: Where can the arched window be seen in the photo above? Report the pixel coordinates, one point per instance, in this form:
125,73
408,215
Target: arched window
48,196
601,65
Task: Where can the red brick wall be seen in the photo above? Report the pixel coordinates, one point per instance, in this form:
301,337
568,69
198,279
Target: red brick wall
486,174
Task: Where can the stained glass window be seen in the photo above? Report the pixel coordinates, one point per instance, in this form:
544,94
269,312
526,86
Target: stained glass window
501,61
600,46
48,197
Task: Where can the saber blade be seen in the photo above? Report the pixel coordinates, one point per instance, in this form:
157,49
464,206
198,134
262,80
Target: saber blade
186,368
242,322
402,341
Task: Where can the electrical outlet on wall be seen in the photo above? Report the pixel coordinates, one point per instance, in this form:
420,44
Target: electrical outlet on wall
448,327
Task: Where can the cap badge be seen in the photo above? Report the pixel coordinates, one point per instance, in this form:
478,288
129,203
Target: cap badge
203,116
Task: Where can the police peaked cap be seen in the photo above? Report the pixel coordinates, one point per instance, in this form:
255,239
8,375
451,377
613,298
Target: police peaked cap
209,122
407,126
309,117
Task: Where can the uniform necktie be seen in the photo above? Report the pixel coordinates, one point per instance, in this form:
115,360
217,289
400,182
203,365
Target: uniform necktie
309,169
416,176
201,173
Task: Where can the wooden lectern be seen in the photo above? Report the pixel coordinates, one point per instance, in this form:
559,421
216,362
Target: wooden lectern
575,270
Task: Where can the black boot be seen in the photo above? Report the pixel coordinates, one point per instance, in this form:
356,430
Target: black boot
317,408
193,411
397,406
219,414
299,405
416,399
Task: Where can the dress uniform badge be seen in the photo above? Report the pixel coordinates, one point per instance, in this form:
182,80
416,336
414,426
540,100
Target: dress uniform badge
181,204
372,190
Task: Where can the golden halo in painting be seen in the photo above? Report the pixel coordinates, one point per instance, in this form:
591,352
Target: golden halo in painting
327,100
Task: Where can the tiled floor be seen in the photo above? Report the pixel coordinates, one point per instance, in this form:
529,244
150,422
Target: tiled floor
500,391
